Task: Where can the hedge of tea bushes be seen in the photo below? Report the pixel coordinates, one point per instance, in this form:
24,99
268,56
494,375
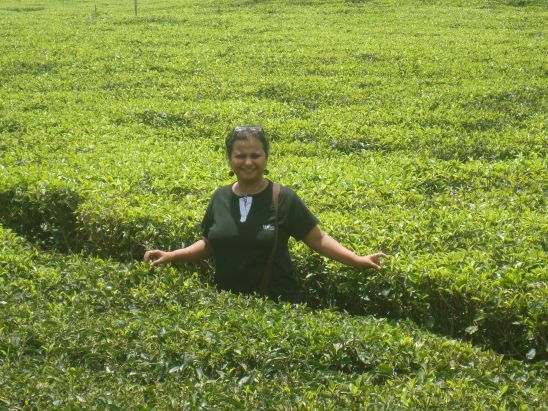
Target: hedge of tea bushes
418,130
473,273
86,332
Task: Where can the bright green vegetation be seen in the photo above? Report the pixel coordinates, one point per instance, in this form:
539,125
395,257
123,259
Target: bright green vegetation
413,127
86,332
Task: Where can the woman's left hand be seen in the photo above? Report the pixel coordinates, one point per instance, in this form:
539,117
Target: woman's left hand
371,261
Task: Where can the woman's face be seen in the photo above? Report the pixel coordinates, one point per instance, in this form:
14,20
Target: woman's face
248,160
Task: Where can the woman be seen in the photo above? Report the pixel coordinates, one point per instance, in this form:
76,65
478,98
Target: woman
241,222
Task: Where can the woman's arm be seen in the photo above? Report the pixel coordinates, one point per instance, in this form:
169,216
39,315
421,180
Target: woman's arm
198,251
325,245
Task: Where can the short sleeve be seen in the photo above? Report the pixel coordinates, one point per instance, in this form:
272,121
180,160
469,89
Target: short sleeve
299,219
208,219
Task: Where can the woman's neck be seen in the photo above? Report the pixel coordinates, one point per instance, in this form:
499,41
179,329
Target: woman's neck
244,189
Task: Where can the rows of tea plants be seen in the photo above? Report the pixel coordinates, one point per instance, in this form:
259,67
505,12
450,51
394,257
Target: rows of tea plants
467,279
416,128
90,333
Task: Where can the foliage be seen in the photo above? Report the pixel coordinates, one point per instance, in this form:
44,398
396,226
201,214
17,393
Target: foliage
416,128
91,333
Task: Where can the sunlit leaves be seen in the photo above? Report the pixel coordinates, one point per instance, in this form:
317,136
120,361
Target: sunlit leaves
104,333
404,127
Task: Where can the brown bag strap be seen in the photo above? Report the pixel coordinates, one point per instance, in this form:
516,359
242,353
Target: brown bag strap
268,269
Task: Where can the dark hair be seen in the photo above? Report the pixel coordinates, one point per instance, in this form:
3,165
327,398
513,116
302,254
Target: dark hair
245,133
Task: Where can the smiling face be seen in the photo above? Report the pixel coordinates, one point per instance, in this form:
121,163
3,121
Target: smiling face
248,160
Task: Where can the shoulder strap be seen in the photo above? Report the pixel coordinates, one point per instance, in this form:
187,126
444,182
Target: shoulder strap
276,188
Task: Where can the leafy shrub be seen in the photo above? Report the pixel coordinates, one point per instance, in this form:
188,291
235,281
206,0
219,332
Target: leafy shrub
416,141
89,332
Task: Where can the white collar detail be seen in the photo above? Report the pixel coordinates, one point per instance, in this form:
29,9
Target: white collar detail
245,206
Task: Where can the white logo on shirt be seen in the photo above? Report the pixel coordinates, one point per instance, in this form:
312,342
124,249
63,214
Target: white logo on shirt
268,227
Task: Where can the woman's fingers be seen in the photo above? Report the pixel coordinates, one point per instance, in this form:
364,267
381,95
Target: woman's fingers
155,255
150,254
375,265
159,257
375,260
378,256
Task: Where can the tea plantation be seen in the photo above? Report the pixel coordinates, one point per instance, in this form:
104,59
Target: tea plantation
417,128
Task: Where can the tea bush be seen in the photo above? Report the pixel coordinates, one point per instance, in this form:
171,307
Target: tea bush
413,128
83,332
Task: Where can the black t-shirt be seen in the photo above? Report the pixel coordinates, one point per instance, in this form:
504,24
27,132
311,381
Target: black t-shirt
241,249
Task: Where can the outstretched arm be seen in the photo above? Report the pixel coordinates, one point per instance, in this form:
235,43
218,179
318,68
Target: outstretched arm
198,251
325,245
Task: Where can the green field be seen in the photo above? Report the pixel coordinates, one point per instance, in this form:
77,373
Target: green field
413,127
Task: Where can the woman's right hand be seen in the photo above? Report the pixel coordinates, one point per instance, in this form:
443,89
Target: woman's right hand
159,257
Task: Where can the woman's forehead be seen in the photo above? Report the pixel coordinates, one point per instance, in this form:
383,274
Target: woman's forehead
248,144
